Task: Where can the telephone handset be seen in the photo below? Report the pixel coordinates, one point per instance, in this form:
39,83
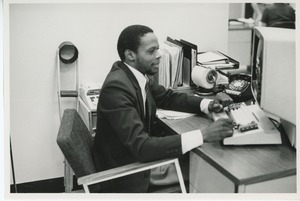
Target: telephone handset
239,88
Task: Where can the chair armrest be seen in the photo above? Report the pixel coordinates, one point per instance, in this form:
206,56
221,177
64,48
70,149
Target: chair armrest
122,171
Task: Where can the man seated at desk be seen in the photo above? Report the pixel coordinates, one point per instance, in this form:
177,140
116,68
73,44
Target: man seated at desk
125,133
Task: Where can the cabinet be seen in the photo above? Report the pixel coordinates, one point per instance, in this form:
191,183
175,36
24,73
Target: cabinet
208,177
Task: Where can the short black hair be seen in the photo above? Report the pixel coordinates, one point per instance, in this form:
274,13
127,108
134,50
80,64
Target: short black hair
130,38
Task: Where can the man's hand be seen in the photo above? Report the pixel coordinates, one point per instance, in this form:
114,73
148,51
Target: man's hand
218,130
221,100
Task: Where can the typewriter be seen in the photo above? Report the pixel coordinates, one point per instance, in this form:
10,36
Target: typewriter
251,125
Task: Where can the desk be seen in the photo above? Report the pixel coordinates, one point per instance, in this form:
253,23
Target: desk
215,168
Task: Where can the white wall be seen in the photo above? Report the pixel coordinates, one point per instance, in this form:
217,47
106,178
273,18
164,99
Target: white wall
36,31
236,10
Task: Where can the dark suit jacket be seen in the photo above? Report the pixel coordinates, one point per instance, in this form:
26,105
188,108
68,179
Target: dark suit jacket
121,137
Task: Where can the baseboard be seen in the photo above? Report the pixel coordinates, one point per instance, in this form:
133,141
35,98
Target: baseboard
55,185
173,188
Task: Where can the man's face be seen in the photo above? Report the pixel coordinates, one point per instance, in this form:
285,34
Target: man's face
147,55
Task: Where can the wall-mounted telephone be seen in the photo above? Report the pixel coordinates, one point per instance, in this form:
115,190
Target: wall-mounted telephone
239,87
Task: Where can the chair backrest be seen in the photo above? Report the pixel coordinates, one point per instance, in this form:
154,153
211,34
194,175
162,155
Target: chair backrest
76,143
287,24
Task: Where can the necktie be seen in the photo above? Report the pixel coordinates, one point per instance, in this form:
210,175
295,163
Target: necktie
148,107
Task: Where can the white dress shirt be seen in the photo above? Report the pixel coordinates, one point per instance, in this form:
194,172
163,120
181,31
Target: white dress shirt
189,140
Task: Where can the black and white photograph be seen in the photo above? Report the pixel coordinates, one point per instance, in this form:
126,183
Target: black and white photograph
162,100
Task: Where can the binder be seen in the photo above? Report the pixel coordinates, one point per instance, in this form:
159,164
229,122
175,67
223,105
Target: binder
190,60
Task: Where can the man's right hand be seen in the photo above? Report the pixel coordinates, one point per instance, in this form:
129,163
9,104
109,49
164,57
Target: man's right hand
218,130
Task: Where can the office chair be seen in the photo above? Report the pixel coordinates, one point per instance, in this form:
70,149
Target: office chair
76,142
287,24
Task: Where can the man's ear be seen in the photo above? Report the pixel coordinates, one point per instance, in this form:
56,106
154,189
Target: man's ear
130,55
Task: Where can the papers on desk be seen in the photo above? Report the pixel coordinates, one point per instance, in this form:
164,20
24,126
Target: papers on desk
248,21
212,58
236,23
215,60
170,114
217,66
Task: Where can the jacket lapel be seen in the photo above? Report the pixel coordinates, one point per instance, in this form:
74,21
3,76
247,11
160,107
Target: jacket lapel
136,85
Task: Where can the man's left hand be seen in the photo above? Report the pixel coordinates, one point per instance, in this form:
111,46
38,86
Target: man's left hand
221,100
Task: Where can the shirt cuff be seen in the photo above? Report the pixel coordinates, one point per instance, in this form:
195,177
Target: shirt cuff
191,140
204,105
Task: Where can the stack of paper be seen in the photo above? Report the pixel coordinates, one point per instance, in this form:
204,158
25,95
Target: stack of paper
214,60
170,114
211,57
164,68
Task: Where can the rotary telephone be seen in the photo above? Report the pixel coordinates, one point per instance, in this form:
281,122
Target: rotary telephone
239,87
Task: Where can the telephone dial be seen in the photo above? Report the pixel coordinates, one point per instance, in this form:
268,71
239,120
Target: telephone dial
239,87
